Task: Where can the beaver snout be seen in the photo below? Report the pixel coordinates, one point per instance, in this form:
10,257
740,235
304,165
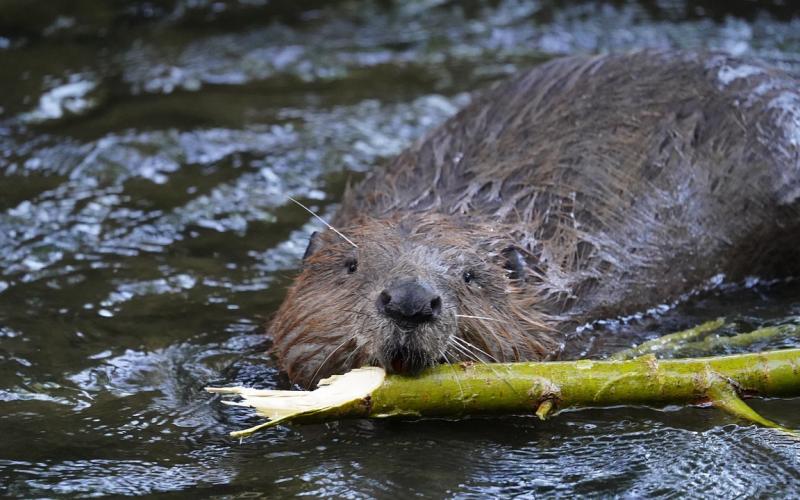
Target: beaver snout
409,302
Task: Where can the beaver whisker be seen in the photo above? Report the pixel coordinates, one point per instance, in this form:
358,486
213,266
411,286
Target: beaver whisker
497,338
489,365
345,238
462,355
458,383
466,343
348,339
465,352
489,331
349,358
359,331
479,317
477,359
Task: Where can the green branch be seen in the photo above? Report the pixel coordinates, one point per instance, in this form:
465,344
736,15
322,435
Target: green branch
669,343
540,388
685,344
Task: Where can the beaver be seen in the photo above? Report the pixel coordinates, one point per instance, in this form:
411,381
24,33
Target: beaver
588,187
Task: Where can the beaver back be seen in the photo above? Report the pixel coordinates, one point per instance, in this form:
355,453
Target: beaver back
627,180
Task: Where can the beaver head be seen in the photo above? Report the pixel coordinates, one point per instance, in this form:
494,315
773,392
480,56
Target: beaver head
405,293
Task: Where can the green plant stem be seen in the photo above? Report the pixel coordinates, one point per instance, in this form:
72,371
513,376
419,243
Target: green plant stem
544,388
714,343
670,342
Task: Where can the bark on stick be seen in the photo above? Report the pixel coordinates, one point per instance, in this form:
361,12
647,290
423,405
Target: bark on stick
540,388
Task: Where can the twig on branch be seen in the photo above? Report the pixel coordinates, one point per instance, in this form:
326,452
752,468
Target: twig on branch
670,342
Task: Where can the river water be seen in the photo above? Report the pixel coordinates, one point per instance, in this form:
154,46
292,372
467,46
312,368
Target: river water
147,149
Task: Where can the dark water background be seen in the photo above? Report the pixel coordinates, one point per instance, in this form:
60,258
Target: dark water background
147,149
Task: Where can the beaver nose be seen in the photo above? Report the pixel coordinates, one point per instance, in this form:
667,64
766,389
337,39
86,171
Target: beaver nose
409,302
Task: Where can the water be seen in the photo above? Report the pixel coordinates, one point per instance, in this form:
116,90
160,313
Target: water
146,153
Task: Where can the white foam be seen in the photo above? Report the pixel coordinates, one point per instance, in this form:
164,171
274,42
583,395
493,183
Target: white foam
728,74
68,98
788,105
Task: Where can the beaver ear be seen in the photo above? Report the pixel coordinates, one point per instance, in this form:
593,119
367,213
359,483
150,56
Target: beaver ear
515,263
314,244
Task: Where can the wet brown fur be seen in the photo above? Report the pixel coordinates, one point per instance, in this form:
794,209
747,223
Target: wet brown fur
618,183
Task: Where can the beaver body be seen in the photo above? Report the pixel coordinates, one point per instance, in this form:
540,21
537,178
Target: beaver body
586,188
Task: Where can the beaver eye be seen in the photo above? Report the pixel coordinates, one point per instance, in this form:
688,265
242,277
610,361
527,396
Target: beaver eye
468,276
351,265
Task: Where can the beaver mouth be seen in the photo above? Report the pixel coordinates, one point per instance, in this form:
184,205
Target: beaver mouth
410,348
399,364
407,361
